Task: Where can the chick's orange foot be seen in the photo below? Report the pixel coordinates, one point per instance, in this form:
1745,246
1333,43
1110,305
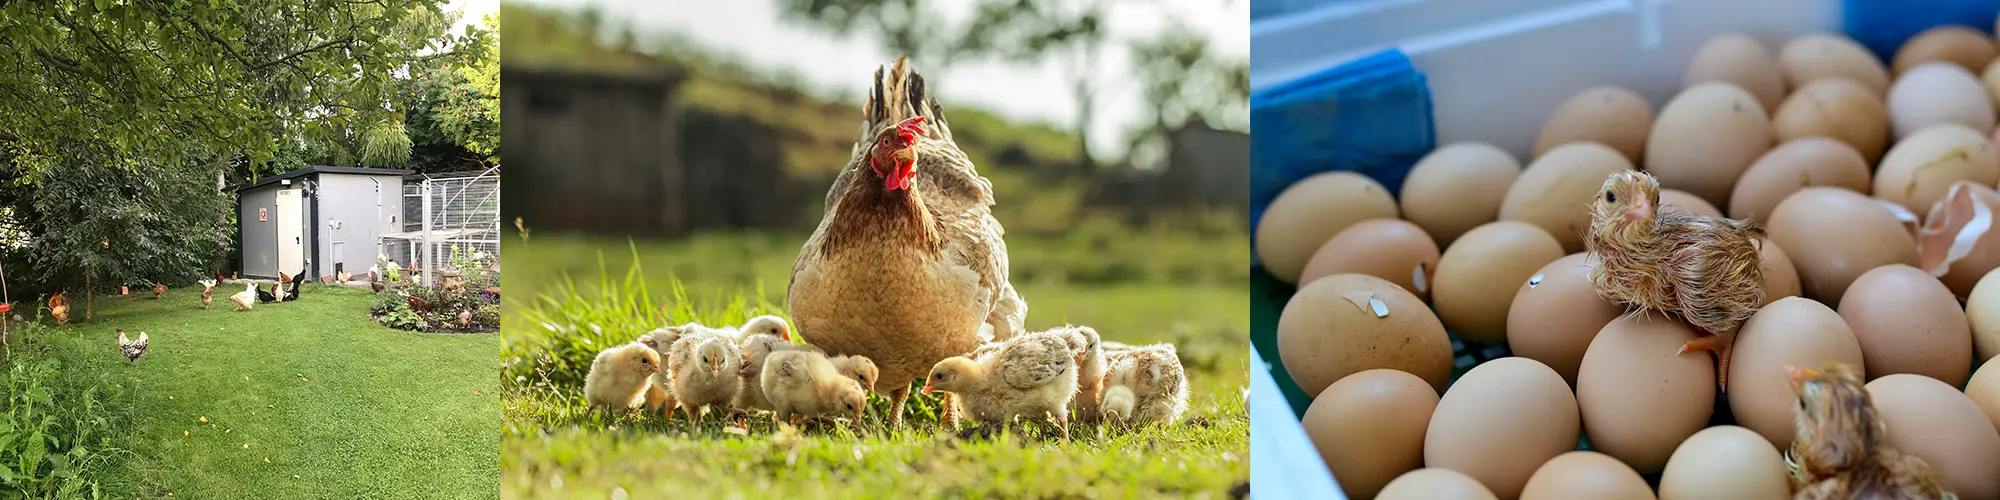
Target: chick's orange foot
1719,343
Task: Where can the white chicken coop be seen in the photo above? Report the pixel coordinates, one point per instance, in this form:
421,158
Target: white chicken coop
443,213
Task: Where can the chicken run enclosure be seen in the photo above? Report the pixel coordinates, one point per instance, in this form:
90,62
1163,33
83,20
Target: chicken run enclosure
443,214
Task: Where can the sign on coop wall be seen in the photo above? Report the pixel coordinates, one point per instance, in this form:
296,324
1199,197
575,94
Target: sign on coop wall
263,215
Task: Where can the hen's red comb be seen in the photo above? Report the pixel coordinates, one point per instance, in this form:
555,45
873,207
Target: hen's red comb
913,125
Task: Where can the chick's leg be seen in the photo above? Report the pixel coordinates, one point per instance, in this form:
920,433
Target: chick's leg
1719,343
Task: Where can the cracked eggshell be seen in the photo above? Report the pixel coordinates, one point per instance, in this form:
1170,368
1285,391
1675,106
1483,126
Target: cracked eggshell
1935,422
1959,243
1811,57
1737,59
1639,397
1920,170
1832,235
1478,276
1456,188
1705,138
1347,323
1836,108
1311,211
1556,313
1790,332
1555,192
1908,322
1795,165
1982,310
1937,93
1391,249
1500,422
1608,114
1586,474
1725,461
1369,427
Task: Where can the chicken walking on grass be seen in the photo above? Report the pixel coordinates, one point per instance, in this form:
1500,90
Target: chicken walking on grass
1658,258
617,378
703,371
804,383
1032,376
131,348
246,298
207,293
159,290
59,307
1838,451
1145,385
908,266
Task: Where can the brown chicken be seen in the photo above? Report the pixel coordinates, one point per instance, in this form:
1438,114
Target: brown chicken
59,307
207,293
907,267
1837,452
1658,258
159,289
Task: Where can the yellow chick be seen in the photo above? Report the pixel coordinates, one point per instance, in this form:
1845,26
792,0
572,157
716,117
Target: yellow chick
859,368
1030,375
1090,369
703,369
767,325
1145,385
802,383
755,349
617,379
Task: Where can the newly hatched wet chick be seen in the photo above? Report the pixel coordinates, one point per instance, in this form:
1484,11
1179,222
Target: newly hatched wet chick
1145,385
617,379
801,383
1031,376
245,298
702,367
1658,258
1837,451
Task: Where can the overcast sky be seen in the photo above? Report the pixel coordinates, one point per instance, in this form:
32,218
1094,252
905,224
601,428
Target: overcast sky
752,31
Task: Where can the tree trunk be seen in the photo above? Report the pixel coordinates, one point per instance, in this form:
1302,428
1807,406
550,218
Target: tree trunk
89,297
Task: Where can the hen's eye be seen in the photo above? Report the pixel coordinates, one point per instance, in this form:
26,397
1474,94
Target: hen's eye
1610,197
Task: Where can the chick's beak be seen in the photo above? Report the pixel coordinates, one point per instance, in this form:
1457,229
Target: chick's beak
928,388
1798,375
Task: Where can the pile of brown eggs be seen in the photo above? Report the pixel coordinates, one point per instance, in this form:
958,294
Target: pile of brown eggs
1876,184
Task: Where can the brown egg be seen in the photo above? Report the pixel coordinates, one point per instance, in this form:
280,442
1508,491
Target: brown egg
1812,161
1908,322
1391,249
1826,55
1457,188
1936,94
1555,192
1790,332
1958,240
1607,114
1935,422
1990,78
1725,461
1556,313
1347,323
1369,427
1982,310
1705,138
1435,484
1585,474
1478,275
1965,47
1919,170
1835,108
1984,391
1779,277
1638,397
1500,422
1742,61
1833,235
1687,202
1311,211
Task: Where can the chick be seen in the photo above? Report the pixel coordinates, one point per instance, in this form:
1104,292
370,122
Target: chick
767,325
1145,385
703,371
756,348
859,368
1031,375
802,383
1659,258
617,379
1090,369
245,298
660,397
1837,450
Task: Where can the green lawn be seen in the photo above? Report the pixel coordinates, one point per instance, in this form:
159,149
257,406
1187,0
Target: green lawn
616,289
339,406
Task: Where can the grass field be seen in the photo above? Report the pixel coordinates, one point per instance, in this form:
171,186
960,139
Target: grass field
577,295
291,400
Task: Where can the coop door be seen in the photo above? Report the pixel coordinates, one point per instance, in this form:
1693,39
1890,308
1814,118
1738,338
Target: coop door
291,240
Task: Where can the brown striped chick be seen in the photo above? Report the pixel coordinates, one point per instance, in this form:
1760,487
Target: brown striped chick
802,383
1145,385
1029,376
702,371
617,379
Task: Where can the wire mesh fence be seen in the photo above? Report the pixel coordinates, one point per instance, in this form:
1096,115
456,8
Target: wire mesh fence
447,217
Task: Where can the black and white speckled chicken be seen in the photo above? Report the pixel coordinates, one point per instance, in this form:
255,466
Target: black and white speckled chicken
131,348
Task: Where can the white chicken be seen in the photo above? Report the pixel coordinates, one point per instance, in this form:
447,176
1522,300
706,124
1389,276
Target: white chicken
1145,385
1029,376
245,298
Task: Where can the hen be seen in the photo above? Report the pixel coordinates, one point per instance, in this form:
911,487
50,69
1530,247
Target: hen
131,348
207,293
907,267
1145,385
159,289
59,307
245,298
1659,258
1837,451
1030,376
